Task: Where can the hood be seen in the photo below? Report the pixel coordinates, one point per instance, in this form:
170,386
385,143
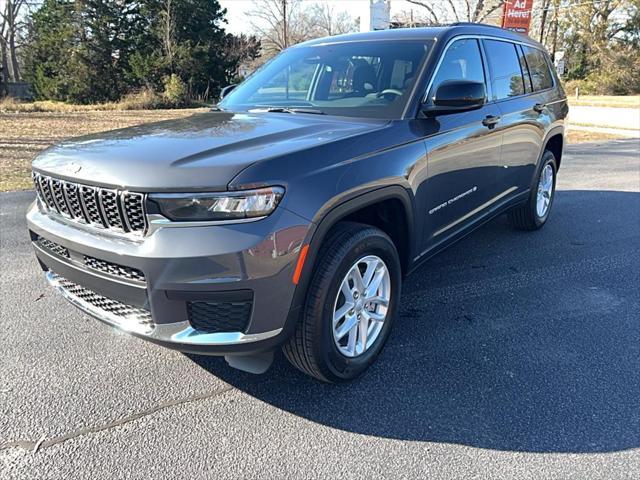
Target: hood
202,152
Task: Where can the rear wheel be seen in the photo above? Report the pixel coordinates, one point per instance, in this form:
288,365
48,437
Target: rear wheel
534,214
350,307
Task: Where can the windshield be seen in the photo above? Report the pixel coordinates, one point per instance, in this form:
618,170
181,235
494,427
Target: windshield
360,79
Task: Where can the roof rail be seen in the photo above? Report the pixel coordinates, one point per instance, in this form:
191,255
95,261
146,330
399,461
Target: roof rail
474,24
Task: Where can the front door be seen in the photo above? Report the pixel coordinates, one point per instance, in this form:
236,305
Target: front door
463,150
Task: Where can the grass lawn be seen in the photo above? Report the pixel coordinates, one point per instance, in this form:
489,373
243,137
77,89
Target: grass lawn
630,101
24,134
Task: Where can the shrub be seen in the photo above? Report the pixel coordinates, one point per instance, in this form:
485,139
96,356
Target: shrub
145,99
175,90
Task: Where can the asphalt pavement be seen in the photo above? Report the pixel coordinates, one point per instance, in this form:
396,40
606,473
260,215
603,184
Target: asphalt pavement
516,355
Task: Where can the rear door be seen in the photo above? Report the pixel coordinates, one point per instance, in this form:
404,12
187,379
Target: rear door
524,117
464,165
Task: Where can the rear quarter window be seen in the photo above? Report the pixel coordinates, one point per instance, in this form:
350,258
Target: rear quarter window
538,68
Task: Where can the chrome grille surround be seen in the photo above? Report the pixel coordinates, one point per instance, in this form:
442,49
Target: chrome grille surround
125,316
118,211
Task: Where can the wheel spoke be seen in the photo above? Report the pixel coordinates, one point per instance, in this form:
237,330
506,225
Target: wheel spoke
372,266
349,324
363,331
378,301
352,341
342,311
374,285
346,291
357,278
375,316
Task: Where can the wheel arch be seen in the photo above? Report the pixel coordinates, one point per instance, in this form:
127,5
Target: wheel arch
351,210
554,142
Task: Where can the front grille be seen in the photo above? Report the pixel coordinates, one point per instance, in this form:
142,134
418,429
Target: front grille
212,317
126,313
116,210
114,269
52,247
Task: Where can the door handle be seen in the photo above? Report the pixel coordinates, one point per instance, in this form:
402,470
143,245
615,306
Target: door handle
539,107
490,120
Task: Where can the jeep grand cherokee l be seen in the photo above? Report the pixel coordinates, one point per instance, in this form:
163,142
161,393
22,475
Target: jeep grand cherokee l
289,214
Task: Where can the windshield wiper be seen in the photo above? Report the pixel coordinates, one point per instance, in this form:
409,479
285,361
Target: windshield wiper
312,111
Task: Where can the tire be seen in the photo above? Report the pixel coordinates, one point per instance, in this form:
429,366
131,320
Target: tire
527,216
313,348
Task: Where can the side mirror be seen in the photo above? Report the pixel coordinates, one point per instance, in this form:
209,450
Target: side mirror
227,90
457,96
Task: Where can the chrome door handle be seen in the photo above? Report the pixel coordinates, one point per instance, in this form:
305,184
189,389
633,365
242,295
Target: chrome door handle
490,120
539,107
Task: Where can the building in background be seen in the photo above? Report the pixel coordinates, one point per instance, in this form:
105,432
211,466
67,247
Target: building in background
377,16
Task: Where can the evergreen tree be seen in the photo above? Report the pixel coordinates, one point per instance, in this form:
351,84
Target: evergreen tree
53,37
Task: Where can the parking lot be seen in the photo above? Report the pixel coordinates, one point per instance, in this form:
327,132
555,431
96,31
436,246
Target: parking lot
516,355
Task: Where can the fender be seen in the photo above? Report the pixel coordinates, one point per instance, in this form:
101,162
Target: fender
555,130
319,230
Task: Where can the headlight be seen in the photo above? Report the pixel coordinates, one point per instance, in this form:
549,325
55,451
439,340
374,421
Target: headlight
190,207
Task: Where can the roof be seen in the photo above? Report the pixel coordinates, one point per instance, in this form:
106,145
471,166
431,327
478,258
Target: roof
425,33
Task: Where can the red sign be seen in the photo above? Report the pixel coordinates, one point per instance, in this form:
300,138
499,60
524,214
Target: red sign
516,15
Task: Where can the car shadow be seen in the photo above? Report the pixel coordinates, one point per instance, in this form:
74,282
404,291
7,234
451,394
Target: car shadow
508,340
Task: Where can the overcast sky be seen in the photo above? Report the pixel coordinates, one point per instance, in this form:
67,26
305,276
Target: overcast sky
239,22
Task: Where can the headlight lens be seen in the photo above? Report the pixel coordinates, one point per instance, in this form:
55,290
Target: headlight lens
190,207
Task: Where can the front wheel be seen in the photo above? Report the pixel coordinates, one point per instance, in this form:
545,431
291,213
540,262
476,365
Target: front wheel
534,214
351,304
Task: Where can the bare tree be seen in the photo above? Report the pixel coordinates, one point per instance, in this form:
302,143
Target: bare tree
279,23
329,22
476,11
167,24
9,31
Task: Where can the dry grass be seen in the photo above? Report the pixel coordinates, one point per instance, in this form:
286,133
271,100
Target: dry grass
24,134
581,136
630,101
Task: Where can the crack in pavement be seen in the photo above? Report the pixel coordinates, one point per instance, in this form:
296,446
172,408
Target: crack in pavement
31,445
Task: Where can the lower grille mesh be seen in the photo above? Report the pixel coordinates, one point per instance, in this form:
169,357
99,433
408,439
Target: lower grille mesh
215,317
127,313
53,247
129,273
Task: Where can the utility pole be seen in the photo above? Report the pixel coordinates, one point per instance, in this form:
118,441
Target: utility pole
284,23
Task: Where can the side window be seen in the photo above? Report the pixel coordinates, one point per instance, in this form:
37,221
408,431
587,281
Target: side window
539,69
506,76
525,70
462,61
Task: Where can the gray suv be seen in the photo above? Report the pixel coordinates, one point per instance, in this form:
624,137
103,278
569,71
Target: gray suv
289,214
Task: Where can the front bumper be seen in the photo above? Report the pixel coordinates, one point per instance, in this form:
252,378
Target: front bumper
178,267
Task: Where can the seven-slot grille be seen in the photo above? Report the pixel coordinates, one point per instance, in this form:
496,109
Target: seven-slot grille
100,207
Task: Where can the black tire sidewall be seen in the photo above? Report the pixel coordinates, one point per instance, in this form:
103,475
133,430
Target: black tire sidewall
338,366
